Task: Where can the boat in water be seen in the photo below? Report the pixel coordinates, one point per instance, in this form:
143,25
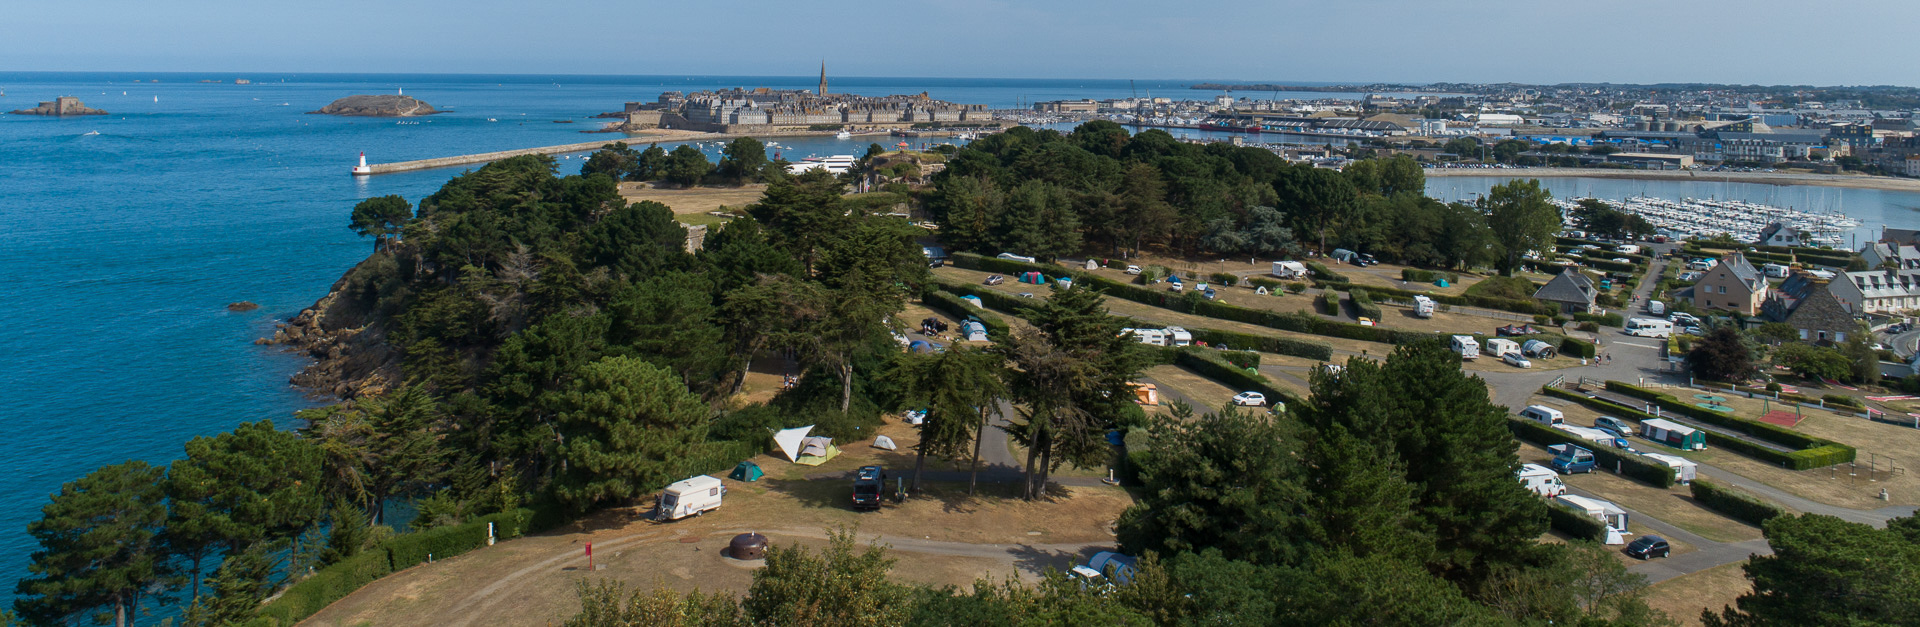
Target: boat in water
1739,219
843,135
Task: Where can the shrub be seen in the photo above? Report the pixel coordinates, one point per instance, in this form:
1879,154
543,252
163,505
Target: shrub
1559,321
1734,503
1575,347
1330,302
1224,278
1416,275
1841,399
1587,326
1273,287
1241,358
1609,319
1812,452
1153,273
1575,523
1321,273
1542,320
946,302
1263,343
1508,287
1363,304
1296,287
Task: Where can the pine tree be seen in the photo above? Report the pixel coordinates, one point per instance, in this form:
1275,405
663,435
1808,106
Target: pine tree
624,423
237,588
99,547
238,488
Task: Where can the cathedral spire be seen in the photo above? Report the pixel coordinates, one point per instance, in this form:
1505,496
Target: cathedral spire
823,77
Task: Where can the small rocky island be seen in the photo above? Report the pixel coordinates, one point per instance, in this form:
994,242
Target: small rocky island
62,106
377,107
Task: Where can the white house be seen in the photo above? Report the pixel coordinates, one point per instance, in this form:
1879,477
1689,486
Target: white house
1877,291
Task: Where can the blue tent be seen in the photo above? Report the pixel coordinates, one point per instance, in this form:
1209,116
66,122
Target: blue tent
1440,282
746,471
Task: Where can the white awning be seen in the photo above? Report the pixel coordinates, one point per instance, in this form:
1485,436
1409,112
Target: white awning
789,441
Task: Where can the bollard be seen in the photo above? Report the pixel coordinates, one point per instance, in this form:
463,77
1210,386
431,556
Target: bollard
489,533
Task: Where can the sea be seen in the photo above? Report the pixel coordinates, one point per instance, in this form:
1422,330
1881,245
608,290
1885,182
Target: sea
124,237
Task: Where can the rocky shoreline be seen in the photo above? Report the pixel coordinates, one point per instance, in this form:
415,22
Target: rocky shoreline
377,106
351,357
60,107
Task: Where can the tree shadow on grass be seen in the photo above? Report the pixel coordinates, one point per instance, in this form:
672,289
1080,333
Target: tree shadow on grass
1037,560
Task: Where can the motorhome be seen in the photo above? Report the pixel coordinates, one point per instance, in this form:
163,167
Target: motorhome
690,497
1150,337
1177,336
1649,327
1540,480
1289,270
1543,414
1423,306
1629,249
1014,257
1466,346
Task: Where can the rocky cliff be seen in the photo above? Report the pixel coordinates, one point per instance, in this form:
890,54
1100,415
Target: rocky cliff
345,338
377,107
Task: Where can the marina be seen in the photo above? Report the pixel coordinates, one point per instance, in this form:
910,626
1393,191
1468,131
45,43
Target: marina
1739,219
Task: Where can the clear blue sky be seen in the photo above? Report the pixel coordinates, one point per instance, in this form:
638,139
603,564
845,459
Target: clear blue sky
1540,41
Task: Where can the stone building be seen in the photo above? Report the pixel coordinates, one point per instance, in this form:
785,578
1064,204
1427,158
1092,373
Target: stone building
1807,303
1732,285
1572,291
762,109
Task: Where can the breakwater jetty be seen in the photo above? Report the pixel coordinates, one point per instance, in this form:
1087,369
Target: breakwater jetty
645,138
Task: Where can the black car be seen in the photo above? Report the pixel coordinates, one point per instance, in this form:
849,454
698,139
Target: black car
868,481
1649,547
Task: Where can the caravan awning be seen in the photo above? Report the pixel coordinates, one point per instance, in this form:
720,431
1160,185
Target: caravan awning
789,441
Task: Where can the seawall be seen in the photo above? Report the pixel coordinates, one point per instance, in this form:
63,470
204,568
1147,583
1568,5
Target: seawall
486,157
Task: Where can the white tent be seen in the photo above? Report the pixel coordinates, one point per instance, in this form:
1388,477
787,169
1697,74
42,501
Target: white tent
789,441
884,442
1262,290
1684,470
1092,265
1607,513
815,446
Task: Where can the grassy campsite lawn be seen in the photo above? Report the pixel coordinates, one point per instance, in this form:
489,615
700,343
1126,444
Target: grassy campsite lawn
1209,395
698,200
1674,506
531,580
1685,596
1830,485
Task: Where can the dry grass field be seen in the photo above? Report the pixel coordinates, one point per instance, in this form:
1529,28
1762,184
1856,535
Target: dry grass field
1683,597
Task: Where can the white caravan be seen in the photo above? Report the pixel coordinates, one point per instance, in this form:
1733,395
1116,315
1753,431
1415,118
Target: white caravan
690,497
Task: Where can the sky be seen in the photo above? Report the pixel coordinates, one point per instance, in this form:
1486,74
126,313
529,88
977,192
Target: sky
1839,42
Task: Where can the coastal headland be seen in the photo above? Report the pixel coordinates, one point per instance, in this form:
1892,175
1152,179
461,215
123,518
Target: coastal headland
1765,178
377,106
638,137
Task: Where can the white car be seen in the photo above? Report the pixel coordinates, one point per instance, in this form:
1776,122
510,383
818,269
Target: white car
1622,260
1250,399
1516,360
1133,269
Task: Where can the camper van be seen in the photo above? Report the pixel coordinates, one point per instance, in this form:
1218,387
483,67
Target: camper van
1468,347
1540,480
690,497
1423,306
1014,257
1629,249
1150,337
1289,270
1649,327
1543,414
1656,308
1776,270
1177,336
1499,347
1570,459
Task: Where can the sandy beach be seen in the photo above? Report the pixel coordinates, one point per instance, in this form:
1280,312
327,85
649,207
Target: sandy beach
1859,181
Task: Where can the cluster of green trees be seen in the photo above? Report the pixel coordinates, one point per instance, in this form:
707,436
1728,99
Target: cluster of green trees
556,346
1599,219
1727,353
1510,151
1048,194
743,161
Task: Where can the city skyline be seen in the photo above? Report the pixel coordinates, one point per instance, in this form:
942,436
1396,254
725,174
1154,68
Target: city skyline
1716,41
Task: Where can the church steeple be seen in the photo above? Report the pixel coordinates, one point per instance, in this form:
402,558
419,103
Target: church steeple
823,77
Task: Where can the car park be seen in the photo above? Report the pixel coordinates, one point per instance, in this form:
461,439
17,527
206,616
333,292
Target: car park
1649,547
1250,399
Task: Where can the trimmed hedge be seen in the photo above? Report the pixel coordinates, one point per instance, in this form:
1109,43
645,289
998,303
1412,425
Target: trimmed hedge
1285,321
338,580
1608,264
1812,452
1576,347
945,301
1575,523
1321,273
1273,286
1841,400
1262,343
1610,319
1363,304
1469,300
1416,275
1209,364
1330,302
1739,505
1657,475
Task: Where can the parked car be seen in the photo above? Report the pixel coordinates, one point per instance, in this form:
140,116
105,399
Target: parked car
1613,425
995,279
1681,316
1516,360
1250,399
1133,269
1649,547
868,482
936,263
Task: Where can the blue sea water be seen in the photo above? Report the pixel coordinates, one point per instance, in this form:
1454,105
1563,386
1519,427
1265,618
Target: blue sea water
123,237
